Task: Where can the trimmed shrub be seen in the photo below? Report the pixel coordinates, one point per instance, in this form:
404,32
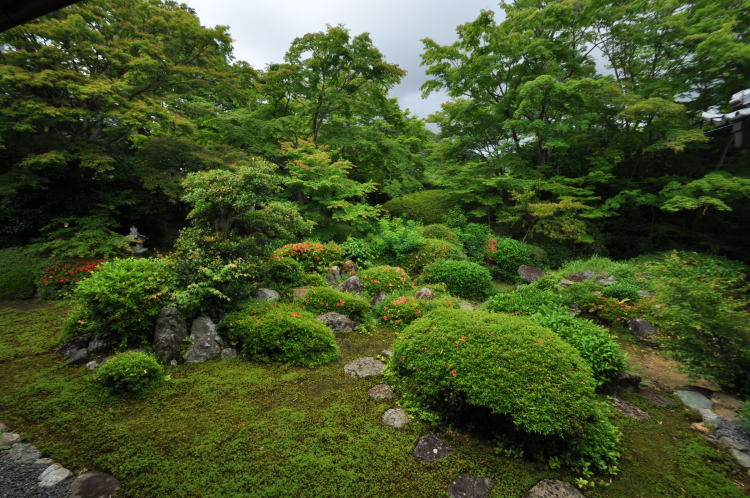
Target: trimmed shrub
319,300
131,372
432,250
57,281
269,332
463,278
474,238
440,231
313,256
314,280
595,345
361,251
120,302
384,278
282,272
507,255
527,301
19,269
451,364
622,290
427,206
400,312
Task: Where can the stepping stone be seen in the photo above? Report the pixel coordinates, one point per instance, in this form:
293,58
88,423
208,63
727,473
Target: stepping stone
657,399
468,486
694,400
711,419
630,409
364,367
429,449
381,391
395,417
94,485
53,474
23,453
43,461
741,458
549,488
9,438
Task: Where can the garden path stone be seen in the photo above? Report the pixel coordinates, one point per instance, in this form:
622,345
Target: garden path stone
364,367
94,485
23,453
694,400
206,343
630,409
381,391
657,399
9,438
53,475
550,488
351,284
530,274
170,333
468,486
741,458
430,449
395,417
338,322
267,294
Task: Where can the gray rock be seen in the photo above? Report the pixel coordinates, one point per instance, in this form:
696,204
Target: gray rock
9,438
530,274
734,431
623,381
381,391
395,417
694,400
349,268
43,461
333,274
379,298
97,345
549,488
741,457
227,353
53,475
206,343
565,282
711,419
630,409
23,453
267,294
74,344
79,357
424,293
173,363
351,284
92,365
387,353
728,443
642,329
170,333
657,399
607,281
364,367
582,276
94,485
338,322
429,449
468,486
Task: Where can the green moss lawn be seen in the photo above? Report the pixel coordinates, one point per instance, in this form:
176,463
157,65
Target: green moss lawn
234,428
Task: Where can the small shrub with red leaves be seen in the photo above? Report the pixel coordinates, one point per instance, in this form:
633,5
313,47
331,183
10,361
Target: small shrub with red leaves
58,281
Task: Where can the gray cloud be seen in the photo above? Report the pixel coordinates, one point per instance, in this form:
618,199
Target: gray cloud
263,30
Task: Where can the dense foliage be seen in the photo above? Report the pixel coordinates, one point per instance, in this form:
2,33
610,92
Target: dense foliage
320,300
384,278
19,269
463,278
401,311
131,372
281,332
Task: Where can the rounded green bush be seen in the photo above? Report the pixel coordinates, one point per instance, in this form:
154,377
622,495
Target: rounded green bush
19,269
508,254
451,359
463,278
441,232
320,300
622,290
283,272
593,343
131,372
527,301
120,302
401,311
280,332
384,278
431,251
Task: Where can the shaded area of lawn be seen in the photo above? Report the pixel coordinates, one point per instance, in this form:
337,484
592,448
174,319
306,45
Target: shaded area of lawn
238,428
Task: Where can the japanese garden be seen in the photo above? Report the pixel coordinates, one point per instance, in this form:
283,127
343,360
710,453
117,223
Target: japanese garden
218,279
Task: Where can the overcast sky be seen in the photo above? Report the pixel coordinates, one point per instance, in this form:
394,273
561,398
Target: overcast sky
263,30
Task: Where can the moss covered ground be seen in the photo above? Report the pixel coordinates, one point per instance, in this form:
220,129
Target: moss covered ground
235,428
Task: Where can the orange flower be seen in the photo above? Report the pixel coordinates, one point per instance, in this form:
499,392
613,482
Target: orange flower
453,372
